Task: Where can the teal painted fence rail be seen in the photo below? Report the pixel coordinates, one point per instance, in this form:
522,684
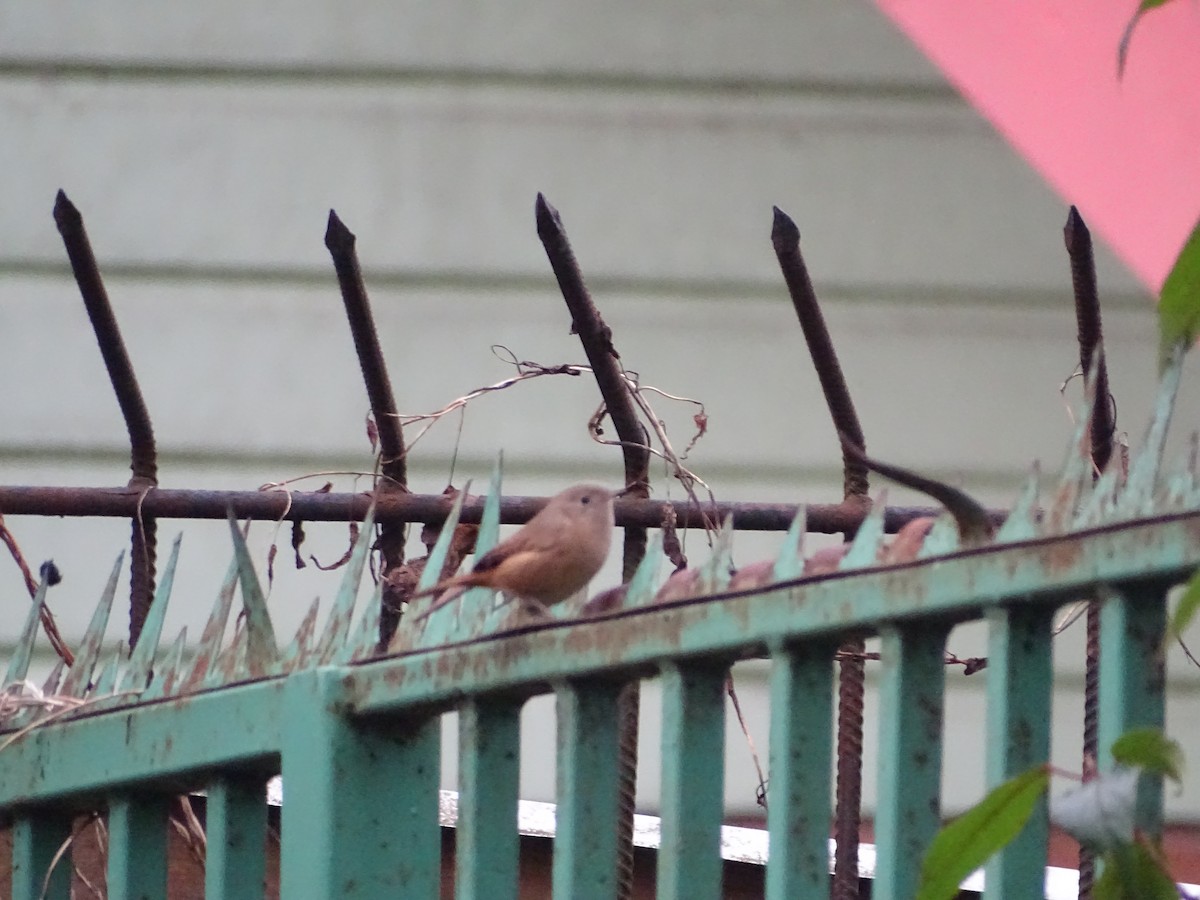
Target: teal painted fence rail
356,735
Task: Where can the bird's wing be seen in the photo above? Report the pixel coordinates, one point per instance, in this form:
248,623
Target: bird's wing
523,543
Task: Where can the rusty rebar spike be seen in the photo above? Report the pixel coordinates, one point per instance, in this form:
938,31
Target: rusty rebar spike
340,242
143,453
166,503
596,338
597,341
785,238
1078,241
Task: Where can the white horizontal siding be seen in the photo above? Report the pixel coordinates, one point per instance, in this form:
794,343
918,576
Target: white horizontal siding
234,369
759,39
442,178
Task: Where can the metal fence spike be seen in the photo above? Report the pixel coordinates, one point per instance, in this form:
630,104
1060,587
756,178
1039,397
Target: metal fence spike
1178,490
1075,477
437,556
1143,472
18,666
943,537
76,682
50,685
1100,502
241,657
297,651
262,653
489,522
106,681
337,623
230,663
715,573
790,561
489,530
167,671
413,626
864,550
1021,524
141,661
473,613
643,584
366,637
204,660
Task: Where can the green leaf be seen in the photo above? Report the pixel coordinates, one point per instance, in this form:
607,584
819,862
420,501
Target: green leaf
969,841
1150,750
1133,873
1189,602
1179,302
1123,47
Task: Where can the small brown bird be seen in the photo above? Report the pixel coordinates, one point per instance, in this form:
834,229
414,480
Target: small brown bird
552,556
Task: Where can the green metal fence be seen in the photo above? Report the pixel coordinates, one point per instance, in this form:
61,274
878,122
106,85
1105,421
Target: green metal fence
356,735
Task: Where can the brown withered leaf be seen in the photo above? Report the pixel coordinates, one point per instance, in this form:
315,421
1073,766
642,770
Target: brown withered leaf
297,540
672,548
271,565
462,544
372,433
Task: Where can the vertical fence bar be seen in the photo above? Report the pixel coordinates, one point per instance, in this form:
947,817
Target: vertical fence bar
235,862
585,841
36,840
486,843
910,754
693,781
800,757
360,804
1133,680
137,846
1019,678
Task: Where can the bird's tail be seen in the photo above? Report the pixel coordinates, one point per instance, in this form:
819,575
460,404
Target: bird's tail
450,589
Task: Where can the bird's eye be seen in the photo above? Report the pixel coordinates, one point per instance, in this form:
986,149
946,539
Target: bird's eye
585,499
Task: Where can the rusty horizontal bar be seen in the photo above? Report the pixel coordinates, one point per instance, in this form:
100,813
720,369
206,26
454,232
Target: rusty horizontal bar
828,518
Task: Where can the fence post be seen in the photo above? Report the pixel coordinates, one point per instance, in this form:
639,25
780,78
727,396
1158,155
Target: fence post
137,846
36,839
1133,679
693,780
800,756
360,798
910,754
486,842
1019,679
585,840
236,822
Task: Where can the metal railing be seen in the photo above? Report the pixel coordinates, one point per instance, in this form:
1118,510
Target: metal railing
355,732
350,716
